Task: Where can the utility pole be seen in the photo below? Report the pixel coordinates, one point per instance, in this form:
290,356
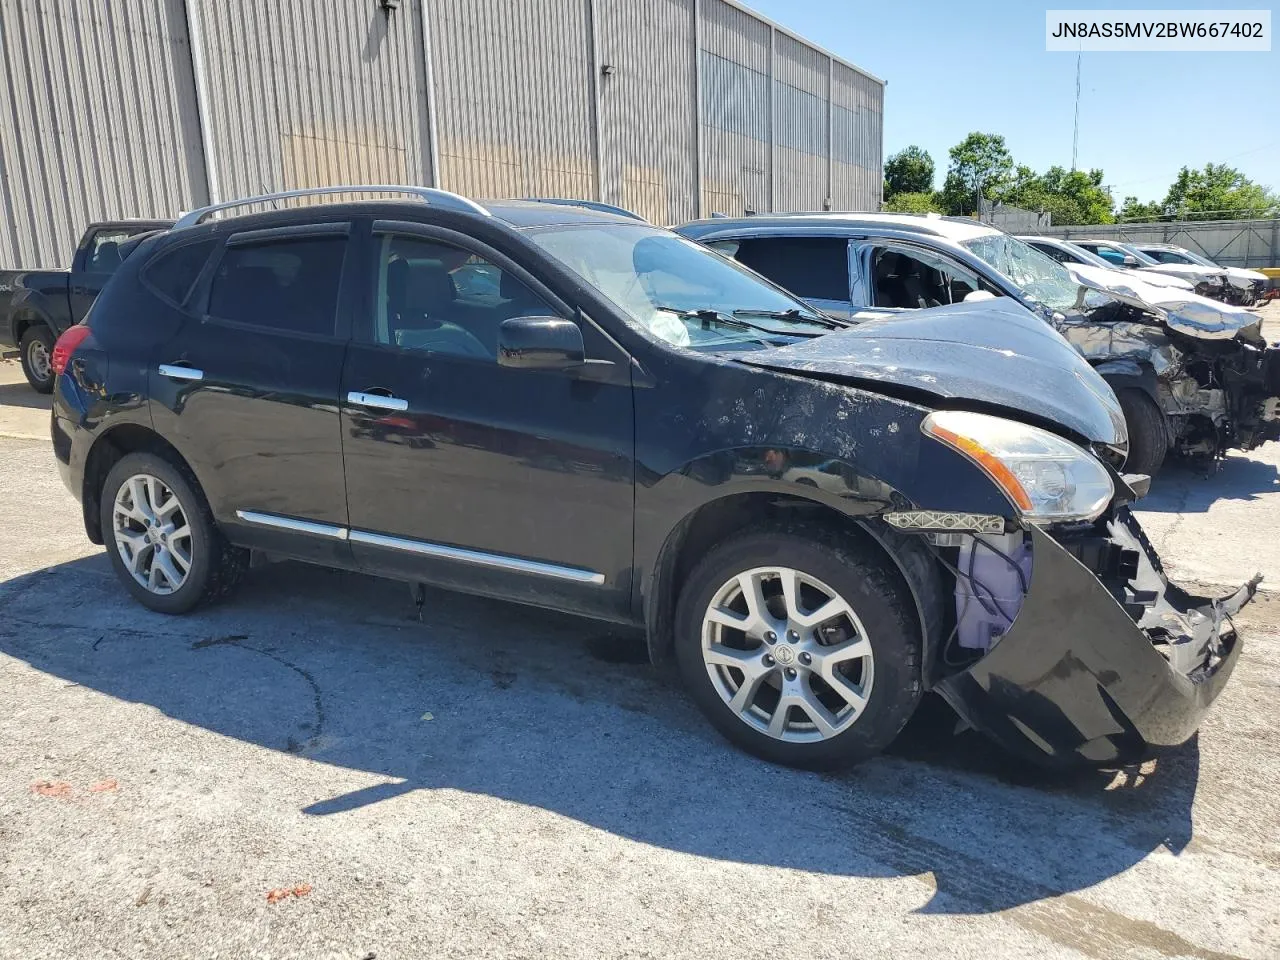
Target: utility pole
1075,127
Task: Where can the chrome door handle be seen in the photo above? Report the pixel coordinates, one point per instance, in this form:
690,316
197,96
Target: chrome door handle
175,372
376,401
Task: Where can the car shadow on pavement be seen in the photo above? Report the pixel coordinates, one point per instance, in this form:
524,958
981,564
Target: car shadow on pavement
566,715
21,395
1184,487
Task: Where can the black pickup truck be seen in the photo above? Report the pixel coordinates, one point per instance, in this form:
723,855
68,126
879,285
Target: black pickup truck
37,305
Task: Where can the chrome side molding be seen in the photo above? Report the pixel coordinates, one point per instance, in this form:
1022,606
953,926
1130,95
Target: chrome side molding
297,526
493,561
479,558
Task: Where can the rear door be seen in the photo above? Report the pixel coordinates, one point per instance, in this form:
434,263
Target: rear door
816,269
248,388
472,475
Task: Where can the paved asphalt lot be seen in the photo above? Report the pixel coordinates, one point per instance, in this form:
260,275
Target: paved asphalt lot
500,782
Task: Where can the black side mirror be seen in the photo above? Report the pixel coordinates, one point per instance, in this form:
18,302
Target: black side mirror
540,343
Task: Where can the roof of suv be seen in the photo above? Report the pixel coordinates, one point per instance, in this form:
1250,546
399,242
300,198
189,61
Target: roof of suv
516,213
953,228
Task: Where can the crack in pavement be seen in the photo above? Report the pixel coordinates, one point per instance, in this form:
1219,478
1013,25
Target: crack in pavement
317,699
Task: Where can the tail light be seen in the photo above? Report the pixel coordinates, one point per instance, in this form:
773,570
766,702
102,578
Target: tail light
71,338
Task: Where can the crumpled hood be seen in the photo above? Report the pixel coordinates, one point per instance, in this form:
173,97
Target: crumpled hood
1157,279
994,352
1190,271
1242,278
1187,313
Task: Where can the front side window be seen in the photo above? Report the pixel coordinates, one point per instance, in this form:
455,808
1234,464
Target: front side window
816,268
911,280
439,298
677,290
288,285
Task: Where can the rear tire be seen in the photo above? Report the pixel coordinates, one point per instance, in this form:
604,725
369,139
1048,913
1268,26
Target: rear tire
870,647
37,357
1148,432
161,536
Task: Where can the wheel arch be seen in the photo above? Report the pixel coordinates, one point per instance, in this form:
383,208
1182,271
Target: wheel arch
108,450
711,522
1128,374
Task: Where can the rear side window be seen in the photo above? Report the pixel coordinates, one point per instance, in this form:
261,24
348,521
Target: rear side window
816,268
174,272
289,285
104,250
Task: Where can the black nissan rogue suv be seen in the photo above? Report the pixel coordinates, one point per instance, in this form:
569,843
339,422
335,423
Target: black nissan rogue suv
565,407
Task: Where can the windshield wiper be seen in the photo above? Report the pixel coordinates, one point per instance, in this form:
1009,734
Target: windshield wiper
707,315
795,315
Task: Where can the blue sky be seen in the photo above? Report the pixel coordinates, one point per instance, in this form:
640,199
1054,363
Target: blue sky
959,66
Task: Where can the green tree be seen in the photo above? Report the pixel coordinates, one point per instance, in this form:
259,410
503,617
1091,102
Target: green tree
1219,192
979,162
910,170
1069,196
1132,211
915,202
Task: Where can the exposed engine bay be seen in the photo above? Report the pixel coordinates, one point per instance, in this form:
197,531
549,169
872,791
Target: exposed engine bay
1209,370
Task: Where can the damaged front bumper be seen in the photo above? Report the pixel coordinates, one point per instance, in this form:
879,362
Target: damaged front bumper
1106,659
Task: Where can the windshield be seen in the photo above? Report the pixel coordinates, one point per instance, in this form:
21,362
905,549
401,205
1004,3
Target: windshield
1039,276
661,280
1088,256
1143,258
1186,256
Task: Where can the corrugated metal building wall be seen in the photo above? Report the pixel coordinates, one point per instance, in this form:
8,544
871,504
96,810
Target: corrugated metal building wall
97,120
673,108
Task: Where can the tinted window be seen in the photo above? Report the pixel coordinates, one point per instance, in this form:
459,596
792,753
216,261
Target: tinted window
289,285
813,267
174,273
443,299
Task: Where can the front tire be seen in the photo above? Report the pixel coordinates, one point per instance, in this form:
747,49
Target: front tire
37,357
161,537
799,646
1148,432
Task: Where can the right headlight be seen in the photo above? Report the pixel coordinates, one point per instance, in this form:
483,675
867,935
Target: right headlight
1046,477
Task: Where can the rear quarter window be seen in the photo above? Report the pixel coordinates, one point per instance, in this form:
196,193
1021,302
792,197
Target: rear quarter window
174,272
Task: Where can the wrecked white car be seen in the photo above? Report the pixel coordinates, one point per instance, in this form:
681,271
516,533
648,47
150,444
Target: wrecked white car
1210,281
1193,375
1064,251
1245,287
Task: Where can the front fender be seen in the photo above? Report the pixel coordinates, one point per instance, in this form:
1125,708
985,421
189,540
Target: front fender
29,307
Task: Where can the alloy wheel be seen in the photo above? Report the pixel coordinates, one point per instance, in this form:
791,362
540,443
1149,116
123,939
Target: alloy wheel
787,654
152,534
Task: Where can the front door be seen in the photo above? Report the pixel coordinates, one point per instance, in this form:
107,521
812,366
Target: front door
472,475
248,389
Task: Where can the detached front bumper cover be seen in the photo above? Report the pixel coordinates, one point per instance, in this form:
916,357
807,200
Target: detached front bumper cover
1080,677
